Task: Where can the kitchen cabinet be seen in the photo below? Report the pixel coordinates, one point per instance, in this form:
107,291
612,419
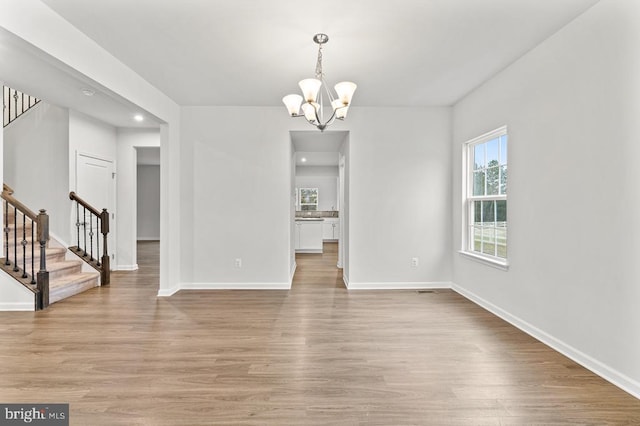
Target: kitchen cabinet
308,236
331,229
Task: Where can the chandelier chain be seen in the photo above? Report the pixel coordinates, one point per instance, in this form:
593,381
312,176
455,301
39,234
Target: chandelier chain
319,74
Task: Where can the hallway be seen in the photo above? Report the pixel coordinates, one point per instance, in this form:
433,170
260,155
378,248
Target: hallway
318,270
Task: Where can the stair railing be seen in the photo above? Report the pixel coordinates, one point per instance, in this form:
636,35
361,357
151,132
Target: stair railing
15,103
89,218
19,242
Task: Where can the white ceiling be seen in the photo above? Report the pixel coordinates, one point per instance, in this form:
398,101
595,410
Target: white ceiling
249,52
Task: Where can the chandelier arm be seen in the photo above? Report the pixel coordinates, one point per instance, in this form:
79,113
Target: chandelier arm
332,118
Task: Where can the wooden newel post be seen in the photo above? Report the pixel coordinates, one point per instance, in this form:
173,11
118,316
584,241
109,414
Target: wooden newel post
42,281
106,269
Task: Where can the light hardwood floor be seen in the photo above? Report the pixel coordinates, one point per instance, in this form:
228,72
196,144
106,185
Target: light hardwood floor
314,355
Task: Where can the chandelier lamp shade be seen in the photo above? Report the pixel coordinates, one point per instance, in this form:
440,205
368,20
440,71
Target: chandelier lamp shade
311,105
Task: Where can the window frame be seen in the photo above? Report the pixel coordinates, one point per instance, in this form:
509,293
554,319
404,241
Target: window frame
316,204
468,223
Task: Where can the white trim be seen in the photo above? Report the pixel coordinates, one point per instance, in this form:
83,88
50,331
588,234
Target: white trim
235,286
168,291
126,268
113,209
292,273
620,380
500,131
18,306
309,251
399,285
468,198
345,280
148,239
498,264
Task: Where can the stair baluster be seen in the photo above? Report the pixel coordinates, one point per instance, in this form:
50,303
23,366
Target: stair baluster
84,227
6,233
37,283
78,224
24,247
33,255
91,237
15,240
98,226
101,219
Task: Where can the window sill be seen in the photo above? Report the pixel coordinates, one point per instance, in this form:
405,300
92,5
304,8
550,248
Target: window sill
495,263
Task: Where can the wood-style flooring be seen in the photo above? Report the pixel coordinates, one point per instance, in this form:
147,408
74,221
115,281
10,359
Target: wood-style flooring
314,355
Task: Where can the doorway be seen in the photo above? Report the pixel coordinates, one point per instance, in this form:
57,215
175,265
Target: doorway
319,165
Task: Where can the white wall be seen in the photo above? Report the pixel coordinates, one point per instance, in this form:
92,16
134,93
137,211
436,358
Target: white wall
36,163
325,179
399,193
89,136
126,172
148,197
399,177
240,196
572,109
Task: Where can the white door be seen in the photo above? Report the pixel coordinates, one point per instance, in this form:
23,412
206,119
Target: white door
95,183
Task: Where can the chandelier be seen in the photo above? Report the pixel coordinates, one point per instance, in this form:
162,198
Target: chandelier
312,101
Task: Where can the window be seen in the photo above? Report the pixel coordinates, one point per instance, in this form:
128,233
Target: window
308,198
485,233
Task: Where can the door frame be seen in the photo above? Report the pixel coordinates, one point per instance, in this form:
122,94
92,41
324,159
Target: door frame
112,209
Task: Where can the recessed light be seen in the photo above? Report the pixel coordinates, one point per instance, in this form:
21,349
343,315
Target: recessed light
88,92
138,117
304,160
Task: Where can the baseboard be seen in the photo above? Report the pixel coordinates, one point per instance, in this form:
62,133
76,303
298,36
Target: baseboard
235,286
292,273
309,251
126,267
166,292
345,279
148,239
17,306
620,380
398,285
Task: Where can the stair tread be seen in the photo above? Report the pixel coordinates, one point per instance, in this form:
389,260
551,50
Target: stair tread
64,264
72,279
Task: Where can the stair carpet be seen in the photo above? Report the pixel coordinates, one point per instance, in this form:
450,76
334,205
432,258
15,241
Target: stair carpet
66,278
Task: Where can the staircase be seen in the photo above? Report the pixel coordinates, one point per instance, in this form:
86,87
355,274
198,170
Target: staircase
21,258
60,272
14,104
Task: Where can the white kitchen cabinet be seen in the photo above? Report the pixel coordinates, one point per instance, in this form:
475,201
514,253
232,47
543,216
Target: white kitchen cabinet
331,229
308,236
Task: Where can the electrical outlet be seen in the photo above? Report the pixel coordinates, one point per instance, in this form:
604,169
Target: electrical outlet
238,263
415,262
